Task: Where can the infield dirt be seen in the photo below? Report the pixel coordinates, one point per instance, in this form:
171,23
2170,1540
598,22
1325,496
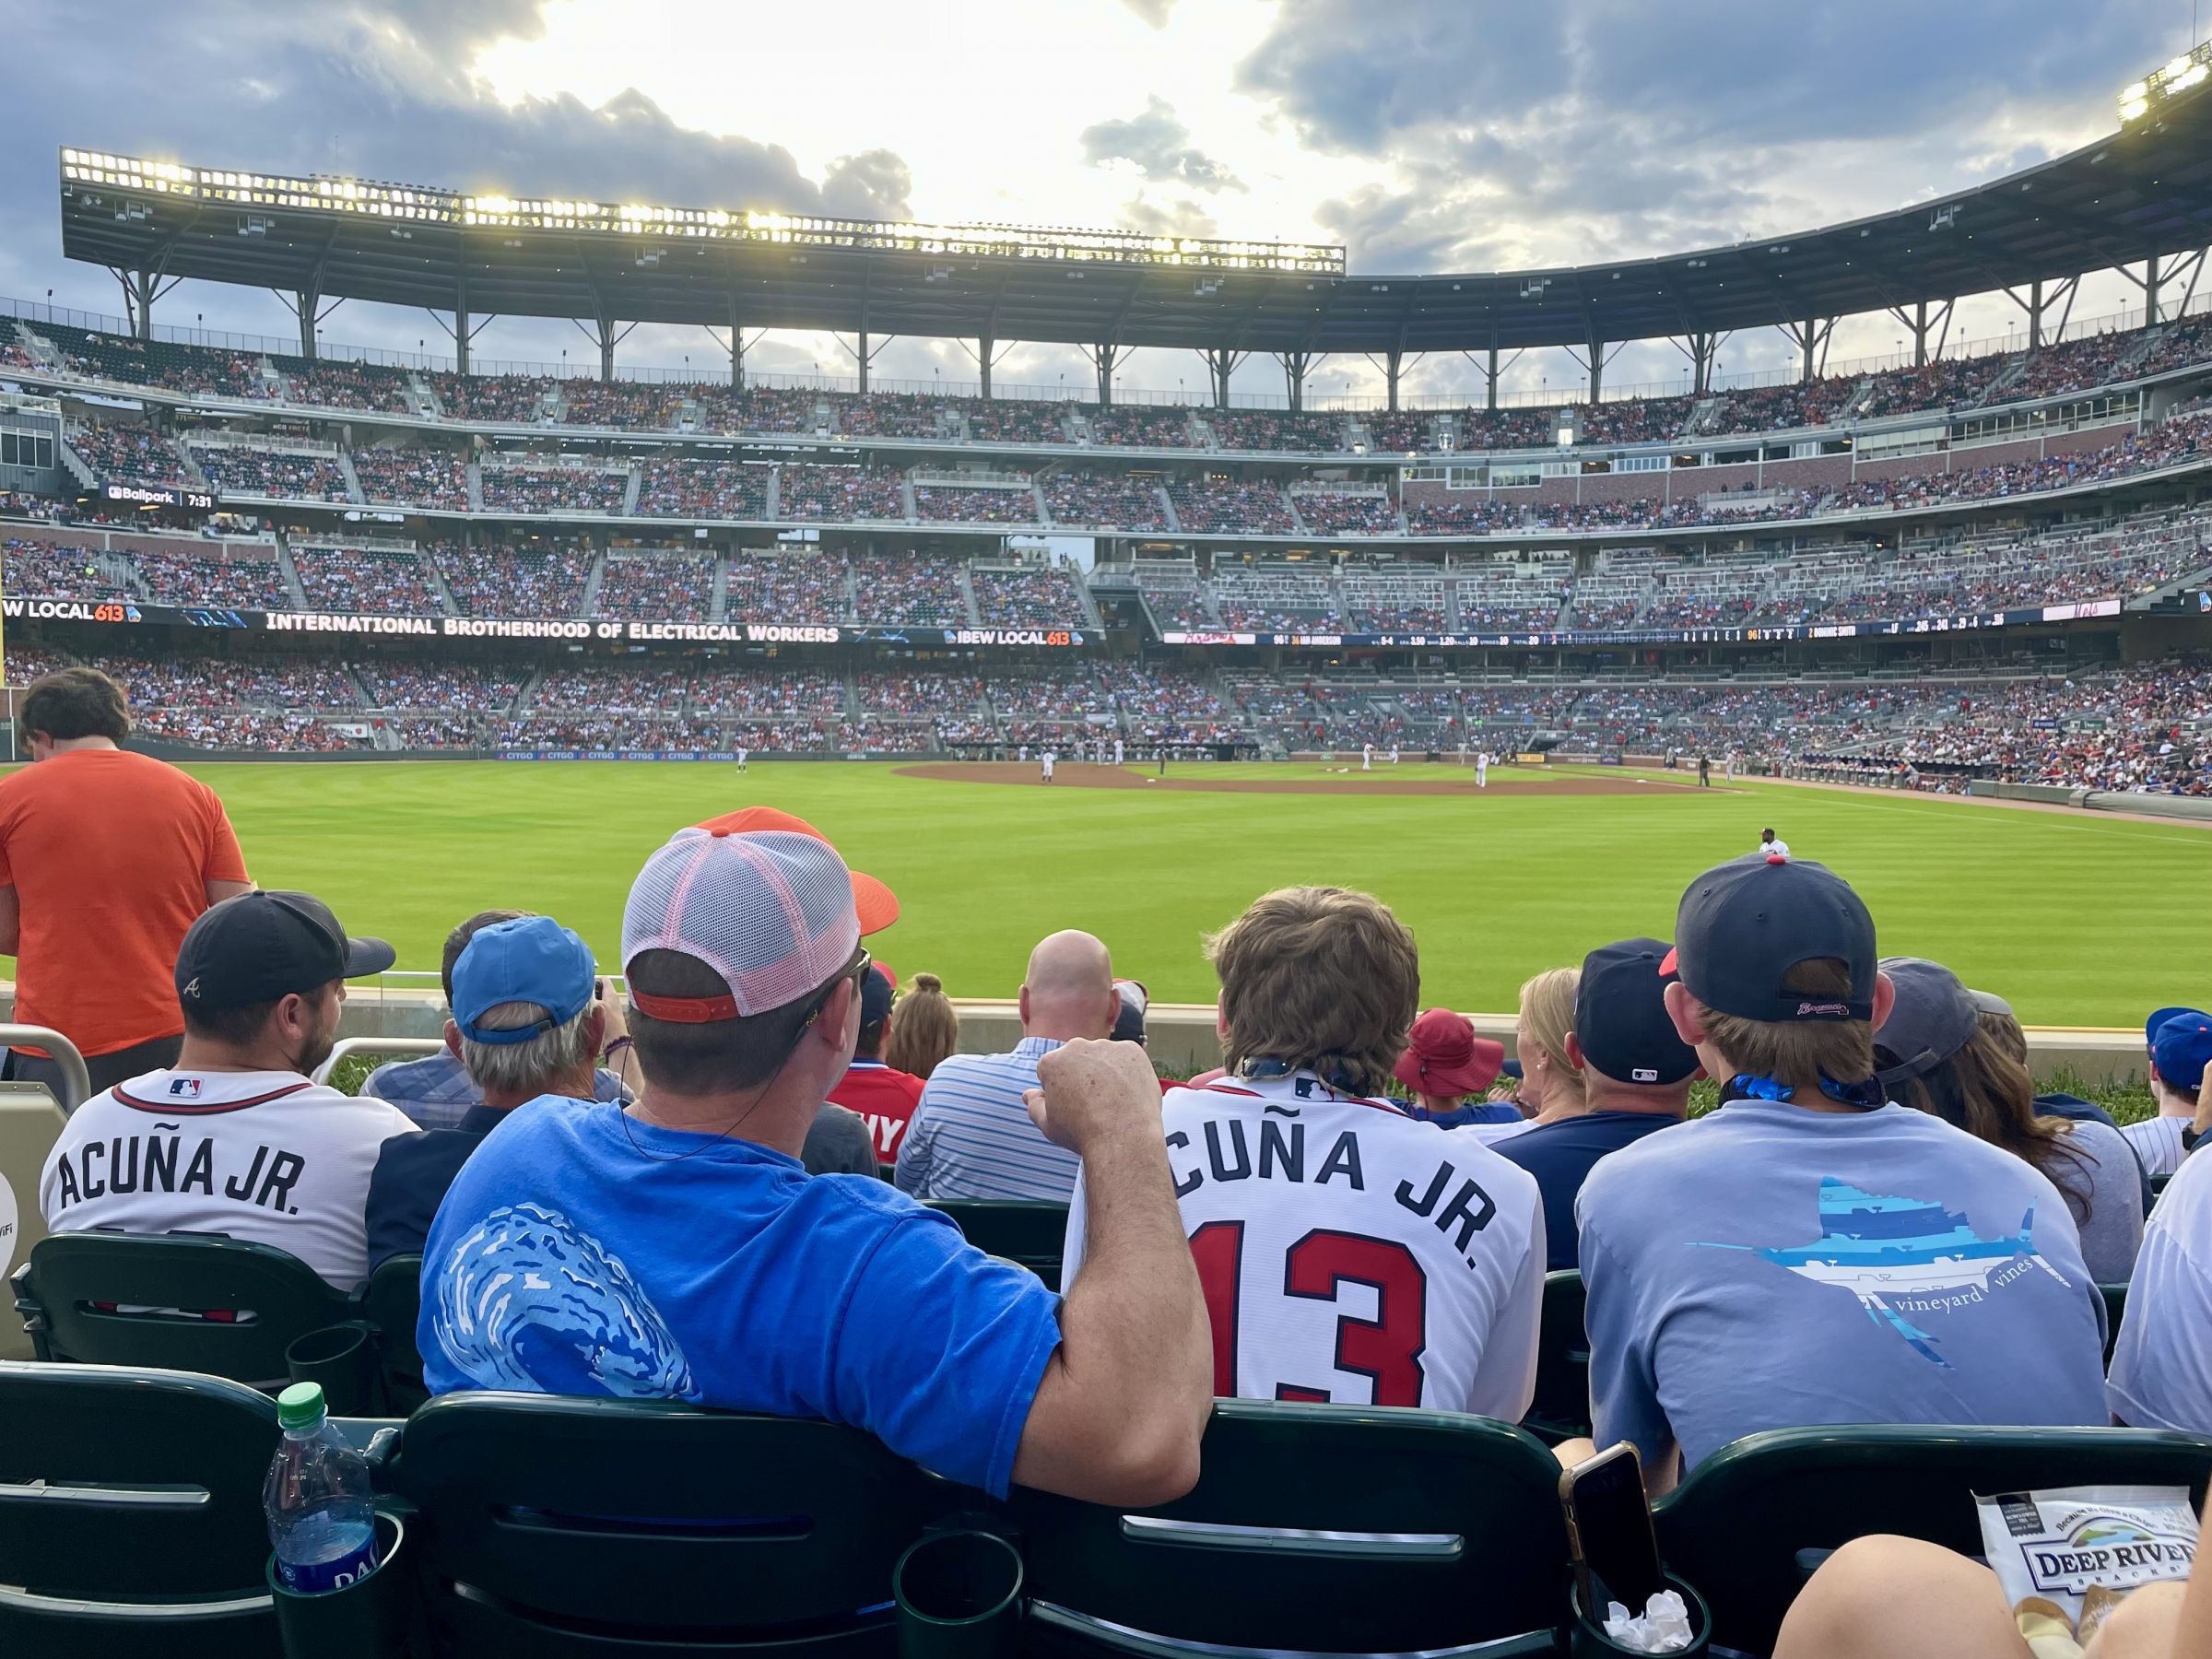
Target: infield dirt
1084,775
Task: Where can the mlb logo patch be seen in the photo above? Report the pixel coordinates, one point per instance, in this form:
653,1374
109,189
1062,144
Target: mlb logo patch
185,1088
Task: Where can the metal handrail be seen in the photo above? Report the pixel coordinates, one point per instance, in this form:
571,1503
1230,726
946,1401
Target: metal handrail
377,1045
76,1082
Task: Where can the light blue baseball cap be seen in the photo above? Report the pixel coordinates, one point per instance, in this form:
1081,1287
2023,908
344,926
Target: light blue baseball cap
530,960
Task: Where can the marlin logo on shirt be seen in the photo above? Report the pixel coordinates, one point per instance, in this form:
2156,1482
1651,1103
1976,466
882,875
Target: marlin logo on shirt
1904,1255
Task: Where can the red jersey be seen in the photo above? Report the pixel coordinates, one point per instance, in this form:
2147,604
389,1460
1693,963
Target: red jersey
884,1097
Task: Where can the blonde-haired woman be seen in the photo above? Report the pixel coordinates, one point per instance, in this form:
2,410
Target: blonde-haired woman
1552,1084
924,1028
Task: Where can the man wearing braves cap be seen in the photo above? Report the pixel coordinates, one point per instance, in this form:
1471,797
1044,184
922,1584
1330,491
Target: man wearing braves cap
236,1138
1636,1072
529,1018
680,1250
2181,1043
882,1095
1810,1254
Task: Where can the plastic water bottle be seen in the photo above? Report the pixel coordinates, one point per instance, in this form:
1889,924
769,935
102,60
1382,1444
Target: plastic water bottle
322,1512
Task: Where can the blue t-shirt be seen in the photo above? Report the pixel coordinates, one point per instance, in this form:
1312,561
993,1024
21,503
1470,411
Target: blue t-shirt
1473,1113
1771,1266
1562,1154
579,1252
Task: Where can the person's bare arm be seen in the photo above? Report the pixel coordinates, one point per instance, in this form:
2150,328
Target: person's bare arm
220,890
11,921
1123,1402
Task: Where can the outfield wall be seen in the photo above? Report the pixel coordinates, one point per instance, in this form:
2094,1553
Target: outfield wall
1182,1039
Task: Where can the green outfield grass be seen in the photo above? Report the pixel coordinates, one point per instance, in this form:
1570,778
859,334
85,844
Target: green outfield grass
2079,919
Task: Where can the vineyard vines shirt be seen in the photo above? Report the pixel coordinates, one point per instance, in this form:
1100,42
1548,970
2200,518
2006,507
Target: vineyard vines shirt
1771,1266
1352,1253
268,1156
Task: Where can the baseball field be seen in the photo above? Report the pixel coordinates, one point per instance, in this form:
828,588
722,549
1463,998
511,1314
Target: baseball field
2080,919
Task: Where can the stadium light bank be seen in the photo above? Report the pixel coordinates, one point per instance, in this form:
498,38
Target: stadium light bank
435,204
2169,81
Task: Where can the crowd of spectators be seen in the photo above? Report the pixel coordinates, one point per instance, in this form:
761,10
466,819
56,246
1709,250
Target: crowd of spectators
1389,602
1104,500
703,490
1224,505
1018,420
910,693
127,454
622,406
513,399
1027,598
326,384
232,580
36,570
807,491
778,694
920,589
418,478
675,585
366,582
1176,601
1346,512
1268,429
811,586
756,408
624,689
957,504
546,487
1141,426
1400,431
531,580
1633,419
466,687
173,681
897,415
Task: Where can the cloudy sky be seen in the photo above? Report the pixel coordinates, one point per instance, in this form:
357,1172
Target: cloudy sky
1421,135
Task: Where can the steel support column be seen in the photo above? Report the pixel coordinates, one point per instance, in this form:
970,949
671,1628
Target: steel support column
1810,337
308,303
986,349
1295,364
1221,363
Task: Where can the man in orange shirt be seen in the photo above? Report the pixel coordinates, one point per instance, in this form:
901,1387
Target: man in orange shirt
106,859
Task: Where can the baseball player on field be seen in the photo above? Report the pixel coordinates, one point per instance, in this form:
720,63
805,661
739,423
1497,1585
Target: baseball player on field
1046,761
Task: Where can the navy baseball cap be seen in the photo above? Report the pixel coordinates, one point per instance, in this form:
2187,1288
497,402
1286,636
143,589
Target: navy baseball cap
1745,925
876,996
2150,1026
1129,1022
1621,1019
1933,1017
531,960
261,945
2182,1049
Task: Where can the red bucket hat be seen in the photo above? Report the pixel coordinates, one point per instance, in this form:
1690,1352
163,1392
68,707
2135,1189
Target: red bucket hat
1444,1056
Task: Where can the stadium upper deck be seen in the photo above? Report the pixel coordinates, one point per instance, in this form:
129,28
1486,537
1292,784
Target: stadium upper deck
2143,195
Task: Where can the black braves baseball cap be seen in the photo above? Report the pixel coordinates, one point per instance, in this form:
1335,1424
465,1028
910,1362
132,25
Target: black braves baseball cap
1743,925
259,946
1621,1019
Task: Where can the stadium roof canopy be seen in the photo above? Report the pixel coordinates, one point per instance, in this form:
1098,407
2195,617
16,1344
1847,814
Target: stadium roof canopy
2144,191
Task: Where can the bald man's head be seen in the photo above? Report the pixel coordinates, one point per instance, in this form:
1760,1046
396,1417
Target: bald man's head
1069,991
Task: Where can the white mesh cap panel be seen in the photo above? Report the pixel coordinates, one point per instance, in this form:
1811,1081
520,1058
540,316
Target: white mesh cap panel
771,912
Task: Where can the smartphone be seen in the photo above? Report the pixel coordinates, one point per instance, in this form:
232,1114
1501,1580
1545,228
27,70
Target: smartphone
1609,1531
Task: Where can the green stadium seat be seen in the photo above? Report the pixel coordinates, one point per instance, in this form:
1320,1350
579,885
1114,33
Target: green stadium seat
30,1122
130,1514
391,1303
2115,1305
1561,1408
1033,1234
1469,1542
1736,1527
60,1291
567,1529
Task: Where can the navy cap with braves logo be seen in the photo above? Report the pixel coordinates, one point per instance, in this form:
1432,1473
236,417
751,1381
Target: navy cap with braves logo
1744,925
1620,1019
261,945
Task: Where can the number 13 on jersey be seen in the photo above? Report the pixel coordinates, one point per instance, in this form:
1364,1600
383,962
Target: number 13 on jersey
1380,1335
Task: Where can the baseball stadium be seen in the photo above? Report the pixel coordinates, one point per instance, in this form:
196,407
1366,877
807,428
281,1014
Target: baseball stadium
1101,679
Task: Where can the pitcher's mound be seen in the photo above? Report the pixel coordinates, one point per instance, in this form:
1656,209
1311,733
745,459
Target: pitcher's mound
1529,781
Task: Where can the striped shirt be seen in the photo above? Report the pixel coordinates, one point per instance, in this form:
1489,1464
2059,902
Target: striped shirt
2158,1142
970,1136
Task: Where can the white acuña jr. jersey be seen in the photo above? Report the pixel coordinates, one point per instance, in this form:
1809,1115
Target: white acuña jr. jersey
1351,1253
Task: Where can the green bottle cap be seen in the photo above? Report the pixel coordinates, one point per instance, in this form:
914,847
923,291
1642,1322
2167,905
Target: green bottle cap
301,1406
